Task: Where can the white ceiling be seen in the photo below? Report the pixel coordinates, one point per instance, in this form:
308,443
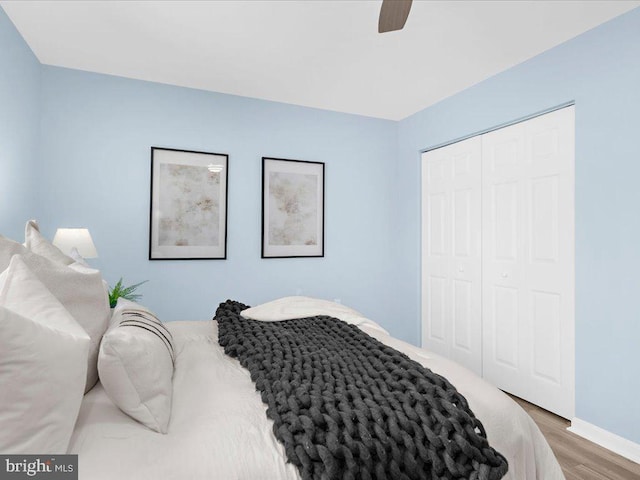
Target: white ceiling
317,53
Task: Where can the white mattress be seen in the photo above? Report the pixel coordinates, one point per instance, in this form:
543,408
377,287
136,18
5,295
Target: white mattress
219,428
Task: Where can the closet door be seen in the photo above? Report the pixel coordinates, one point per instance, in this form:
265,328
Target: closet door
451,253
528,260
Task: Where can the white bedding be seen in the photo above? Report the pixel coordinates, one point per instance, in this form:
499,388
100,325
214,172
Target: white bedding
219,428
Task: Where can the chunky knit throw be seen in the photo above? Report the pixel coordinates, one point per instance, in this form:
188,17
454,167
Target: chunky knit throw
346,406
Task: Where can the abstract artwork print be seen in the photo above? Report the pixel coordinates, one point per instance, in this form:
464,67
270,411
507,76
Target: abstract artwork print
292,208
188,205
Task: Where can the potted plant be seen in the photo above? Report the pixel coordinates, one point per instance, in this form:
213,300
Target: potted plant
120,291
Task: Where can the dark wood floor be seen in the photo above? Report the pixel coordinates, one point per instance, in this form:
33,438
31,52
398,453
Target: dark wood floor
580,459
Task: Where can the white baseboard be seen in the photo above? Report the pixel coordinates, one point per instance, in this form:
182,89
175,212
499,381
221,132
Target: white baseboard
606,439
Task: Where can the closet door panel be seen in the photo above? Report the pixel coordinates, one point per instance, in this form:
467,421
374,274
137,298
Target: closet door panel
436,177
550,259
504,302
528,245
451,253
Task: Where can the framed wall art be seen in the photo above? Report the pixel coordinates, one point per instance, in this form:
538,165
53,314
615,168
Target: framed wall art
292,208
188,219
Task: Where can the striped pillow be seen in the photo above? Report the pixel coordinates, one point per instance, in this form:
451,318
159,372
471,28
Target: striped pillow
149,322
136,364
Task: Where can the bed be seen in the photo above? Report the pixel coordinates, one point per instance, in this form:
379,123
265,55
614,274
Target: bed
216,424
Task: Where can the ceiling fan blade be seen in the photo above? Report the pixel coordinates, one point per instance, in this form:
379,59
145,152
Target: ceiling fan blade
393,15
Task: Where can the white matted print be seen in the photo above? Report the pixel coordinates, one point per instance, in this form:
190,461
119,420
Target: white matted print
292,208
188,205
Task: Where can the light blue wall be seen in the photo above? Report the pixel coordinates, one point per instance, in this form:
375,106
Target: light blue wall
19,117
96,135
600,70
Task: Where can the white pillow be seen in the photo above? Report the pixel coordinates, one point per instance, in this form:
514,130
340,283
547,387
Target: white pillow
43,366
287,308
36,243
82,293
136,365
9,248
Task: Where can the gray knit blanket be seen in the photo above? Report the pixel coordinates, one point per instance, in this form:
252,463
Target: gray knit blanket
346,406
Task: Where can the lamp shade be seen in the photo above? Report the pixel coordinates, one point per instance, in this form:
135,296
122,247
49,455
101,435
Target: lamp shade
79,238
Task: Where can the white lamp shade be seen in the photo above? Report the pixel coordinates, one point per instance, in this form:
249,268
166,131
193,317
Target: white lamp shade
79,238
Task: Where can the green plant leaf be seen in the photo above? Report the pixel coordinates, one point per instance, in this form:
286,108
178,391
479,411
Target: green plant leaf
128,293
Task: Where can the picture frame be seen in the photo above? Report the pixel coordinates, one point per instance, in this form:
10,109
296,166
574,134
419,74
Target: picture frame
188,207
292,208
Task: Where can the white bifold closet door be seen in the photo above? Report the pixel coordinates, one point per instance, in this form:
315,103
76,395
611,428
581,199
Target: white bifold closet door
498,257
528,260
451,254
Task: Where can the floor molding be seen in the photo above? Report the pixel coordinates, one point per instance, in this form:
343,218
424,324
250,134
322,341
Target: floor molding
606,439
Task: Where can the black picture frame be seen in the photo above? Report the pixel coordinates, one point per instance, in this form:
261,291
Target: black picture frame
292,208
188,205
